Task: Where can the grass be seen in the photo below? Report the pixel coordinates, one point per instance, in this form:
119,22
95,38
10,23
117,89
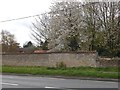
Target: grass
108,72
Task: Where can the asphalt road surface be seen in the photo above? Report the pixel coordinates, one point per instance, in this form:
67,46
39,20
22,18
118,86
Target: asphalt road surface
12,81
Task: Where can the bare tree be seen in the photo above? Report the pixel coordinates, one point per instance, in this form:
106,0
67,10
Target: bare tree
102,25
8,42
41,29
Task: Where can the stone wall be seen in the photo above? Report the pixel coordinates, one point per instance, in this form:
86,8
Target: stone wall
74,59
51,59
25,60
108,62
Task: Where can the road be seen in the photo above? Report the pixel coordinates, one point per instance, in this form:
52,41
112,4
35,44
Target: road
12,81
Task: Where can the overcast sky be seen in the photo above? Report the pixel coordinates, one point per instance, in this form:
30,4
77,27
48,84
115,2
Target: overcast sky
11,9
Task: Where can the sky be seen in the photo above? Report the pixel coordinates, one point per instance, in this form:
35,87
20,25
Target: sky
12,9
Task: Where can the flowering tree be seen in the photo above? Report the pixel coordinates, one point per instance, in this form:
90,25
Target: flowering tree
73,26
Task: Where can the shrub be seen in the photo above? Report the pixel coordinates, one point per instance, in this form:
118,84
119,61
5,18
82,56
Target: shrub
61,65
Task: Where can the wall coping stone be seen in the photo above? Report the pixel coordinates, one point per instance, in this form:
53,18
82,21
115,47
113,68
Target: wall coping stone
80,52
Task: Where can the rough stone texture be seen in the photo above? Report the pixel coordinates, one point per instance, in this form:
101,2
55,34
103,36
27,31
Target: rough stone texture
73,60
108,62
25,60
51,59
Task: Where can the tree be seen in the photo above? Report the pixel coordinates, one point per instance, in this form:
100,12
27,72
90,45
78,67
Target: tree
28,44
91,23
44,45
101,22
41,29
28,47
66,25
8,42
63,22
74,26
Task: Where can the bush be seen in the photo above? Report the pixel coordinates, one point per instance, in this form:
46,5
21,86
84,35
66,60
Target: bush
61,65
108,52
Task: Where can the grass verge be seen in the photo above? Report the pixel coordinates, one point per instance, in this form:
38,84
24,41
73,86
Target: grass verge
108,72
